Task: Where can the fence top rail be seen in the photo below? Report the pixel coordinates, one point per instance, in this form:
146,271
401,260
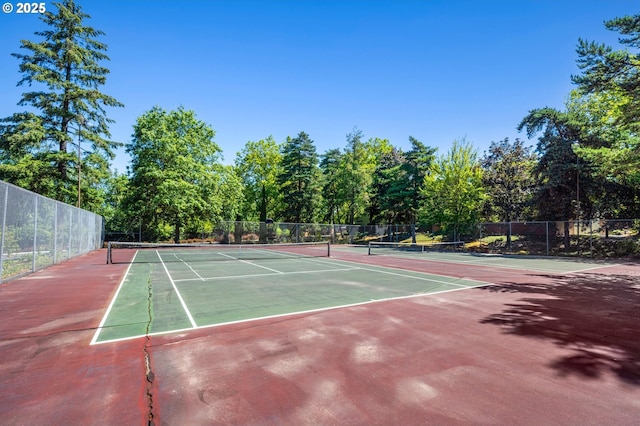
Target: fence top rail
557,221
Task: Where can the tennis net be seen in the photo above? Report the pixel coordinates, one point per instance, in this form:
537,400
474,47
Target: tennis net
385,247
127,252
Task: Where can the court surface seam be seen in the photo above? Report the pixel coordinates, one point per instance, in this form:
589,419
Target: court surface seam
113,301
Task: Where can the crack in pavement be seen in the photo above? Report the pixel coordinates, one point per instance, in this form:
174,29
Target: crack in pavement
149,375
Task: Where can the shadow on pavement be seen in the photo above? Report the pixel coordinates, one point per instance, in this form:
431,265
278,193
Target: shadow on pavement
595,316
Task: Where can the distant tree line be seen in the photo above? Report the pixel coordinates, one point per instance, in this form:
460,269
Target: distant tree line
585,164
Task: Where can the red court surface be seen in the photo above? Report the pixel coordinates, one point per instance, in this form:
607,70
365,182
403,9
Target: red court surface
532,349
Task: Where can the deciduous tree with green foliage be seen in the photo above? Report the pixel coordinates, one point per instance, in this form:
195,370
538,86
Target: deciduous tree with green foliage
508,179
116,220
64,106
177,180
259,164
453,191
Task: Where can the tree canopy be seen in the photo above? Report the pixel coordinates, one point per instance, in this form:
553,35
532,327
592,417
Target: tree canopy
453,190
63,72
299,179
176,178
585,162
258,165
508,179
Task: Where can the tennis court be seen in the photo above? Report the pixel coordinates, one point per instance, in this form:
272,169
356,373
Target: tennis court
176,288
455,253
319,335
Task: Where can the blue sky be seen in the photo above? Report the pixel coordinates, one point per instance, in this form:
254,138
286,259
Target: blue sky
434,70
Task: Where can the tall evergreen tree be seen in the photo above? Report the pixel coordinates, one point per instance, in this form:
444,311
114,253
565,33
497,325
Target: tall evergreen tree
356,175
605,69
65,71
557,169
388,195
609,97
330,167
419,159
611,151
299,179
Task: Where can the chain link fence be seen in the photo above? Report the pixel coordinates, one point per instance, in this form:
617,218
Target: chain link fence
231,232
36,232
598,238
595,238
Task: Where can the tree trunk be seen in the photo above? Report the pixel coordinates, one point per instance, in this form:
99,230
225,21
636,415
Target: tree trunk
176,235
263,204
238,230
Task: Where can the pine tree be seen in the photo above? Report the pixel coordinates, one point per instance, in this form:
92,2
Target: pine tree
356,176
330,166
299,179
63,72
419,159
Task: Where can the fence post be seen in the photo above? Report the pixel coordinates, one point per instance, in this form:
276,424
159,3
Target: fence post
35,234
591,238
4,221
547,226
70,233
55,235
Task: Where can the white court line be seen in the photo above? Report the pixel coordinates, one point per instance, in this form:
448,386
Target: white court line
592,268
268,275
289,314
189,266
184,305
482,283
488,263
332,263
485,263
250,263
113,301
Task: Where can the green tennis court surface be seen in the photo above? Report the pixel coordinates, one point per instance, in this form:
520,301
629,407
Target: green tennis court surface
165,293
524,263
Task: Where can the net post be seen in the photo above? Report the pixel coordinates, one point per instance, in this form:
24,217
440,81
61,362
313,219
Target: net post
109,252
328,248
369,249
